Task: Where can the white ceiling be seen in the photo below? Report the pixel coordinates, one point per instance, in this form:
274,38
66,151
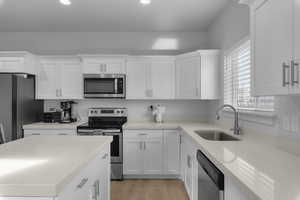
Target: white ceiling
107,15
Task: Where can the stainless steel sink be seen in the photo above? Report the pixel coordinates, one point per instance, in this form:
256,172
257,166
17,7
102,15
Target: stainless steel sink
216,136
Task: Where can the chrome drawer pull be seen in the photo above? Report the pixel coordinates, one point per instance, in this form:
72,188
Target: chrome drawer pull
294,69
82,183
284,81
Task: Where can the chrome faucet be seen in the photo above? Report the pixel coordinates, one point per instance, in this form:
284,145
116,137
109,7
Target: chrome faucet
236,129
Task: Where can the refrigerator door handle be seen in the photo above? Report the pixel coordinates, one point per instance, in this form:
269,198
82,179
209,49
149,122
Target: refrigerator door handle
2,135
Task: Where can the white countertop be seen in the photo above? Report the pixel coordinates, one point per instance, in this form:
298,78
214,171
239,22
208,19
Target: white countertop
49,126
268,171
44,165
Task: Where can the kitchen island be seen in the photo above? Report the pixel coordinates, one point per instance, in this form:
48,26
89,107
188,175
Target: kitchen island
55,168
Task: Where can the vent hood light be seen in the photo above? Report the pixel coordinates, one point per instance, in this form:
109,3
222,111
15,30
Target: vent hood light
145,2
65,2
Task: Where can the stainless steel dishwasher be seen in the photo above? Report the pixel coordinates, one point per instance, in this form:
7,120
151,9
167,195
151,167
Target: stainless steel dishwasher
210,179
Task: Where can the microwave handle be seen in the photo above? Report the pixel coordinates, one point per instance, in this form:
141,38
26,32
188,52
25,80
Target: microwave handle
116,86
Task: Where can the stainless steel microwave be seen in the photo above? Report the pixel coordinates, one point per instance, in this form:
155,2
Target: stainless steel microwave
104,85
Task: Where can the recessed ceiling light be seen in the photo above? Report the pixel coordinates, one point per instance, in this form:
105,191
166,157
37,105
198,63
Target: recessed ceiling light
65,2
145,2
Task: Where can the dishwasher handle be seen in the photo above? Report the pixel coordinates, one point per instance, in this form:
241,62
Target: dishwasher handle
211,170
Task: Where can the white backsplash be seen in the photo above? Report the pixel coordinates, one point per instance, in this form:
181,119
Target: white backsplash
176,110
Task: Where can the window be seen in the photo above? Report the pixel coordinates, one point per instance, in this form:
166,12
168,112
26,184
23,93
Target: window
237,81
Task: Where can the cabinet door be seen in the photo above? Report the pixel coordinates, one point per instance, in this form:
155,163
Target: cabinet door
136,80
133,163
161,80
209,80
187,78
153,156
295,75
116,67
92,68
182,157
11,64
49,81
272,45
188,179
171,152
105,66
72,81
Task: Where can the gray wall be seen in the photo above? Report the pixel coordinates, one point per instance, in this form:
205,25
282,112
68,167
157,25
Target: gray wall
102,42
228,29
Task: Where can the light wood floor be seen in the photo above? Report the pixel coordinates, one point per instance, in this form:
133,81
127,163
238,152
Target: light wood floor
148,190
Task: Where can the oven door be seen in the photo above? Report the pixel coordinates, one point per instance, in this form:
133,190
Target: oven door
116,147
104,86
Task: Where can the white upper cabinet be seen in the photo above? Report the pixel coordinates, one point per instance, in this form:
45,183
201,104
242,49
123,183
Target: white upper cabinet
162,79
150,77
99,64
18,62
59,78
271,36
295,89
197,75
136,75
275,29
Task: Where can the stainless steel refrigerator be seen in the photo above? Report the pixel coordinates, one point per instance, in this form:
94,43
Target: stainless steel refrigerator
17,104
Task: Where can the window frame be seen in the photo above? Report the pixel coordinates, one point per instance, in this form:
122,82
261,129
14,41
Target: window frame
256,110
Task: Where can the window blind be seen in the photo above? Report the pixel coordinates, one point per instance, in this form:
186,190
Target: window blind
237,81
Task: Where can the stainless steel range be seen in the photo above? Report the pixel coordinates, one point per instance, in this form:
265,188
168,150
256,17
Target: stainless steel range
108,122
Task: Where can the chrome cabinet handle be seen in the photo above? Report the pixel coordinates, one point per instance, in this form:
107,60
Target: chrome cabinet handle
142,134
189,161
284,74
144,146
82,183
62,134
36,134
105,156
294,66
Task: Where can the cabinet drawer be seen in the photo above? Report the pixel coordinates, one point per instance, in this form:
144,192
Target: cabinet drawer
49,132
145,134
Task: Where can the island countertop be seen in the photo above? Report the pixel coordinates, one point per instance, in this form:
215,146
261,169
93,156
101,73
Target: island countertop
41,166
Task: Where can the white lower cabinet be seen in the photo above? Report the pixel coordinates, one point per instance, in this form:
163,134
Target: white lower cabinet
171,150
153,145
189,168
93,183
235,191
132,151
147,152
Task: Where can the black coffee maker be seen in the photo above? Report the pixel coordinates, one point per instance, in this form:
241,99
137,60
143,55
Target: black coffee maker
66,116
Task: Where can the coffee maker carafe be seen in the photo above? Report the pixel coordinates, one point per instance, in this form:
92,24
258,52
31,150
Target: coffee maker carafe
66,107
